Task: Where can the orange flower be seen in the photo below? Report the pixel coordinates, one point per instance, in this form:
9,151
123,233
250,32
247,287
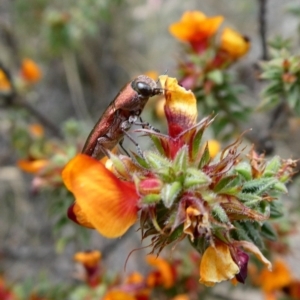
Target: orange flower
107,203
32,166
30,71
135,277
195,28
118,295
5,85
181,297
91,263
88,258
276,279
217,265
164,275
234,44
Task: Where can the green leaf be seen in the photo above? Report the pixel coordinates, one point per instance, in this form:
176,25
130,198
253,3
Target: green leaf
246,197
228,181
195,178
244,169
216,76
157,142
181,159
151,199
272,167
196,143
220,214
268,232
259,185
170,192
276,210
156,161
205,157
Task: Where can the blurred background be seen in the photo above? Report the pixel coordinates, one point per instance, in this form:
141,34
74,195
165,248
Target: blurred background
85,51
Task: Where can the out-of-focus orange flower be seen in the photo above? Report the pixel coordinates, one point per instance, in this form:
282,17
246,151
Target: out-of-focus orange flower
234,44
276,279
135,277
163,275
32,166
118,295
36,130
181,297
108,203
5,85
30,71
90,260
195,28
217,265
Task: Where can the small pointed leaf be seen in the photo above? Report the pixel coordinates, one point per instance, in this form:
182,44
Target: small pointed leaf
170,192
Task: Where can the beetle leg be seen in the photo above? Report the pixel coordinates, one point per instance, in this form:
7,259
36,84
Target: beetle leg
122,147
138,148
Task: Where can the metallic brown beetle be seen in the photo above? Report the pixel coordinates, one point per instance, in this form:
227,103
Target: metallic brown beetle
120,115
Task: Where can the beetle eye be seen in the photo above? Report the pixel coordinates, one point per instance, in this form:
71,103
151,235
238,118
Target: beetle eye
142,88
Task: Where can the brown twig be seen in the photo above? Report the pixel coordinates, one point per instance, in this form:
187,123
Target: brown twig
262,16
13,99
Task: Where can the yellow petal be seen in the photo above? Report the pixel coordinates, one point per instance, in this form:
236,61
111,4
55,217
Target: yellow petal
180,108
233,43
217,265
214,148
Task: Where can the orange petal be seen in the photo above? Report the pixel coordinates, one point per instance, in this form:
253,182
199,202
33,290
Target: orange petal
88,258
279,277
5,85
118,295
109,204
166,275
183,30
195,26
33,166
217,265
76,214
180,108
233,43
134,277
30,71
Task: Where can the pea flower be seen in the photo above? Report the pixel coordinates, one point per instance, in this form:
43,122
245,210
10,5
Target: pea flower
196,28
178,190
